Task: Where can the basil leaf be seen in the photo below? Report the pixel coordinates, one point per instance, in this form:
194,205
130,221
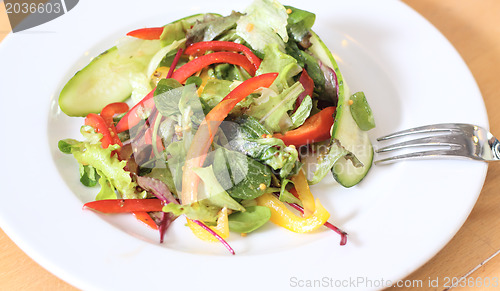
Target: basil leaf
240,175
250,220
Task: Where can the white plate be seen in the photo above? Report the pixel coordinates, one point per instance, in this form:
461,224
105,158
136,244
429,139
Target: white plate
398,217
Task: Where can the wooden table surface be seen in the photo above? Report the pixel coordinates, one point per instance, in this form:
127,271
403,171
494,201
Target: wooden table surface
473,27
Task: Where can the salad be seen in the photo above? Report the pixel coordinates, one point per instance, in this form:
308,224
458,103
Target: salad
224,120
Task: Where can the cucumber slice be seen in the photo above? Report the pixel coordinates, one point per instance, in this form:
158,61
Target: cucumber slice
355,140
103,81
345,129
107,78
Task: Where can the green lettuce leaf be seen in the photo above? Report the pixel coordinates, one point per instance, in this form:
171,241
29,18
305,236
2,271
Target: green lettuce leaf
212,27
107,191
200,210
265,22
215,90
247,137
107,166
214,192
275,60
174,31
285,195
302,113
272,110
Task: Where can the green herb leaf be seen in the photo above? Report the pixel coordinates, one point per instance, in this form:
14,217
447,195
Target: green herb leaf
250,220
302,113
88,175
240,175
215,194
285,195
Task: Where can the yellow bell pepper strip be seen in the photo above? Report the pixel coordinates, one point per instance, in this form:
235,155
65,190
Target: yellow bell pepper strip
199,48
282,216
205,133
212,234
304,193
343,234
222,228
188,69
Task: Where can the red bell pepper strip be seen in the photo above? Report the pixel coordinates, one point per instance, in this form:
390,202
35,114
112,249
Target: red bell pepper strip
125,205
107,114
205,133
199,48
112,109
308,84
315,128
144,217
136,114
98,123
184,72
147,33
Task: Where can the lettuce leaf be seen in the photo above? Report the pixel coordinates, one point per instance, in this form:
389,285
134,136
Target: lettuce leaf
214,198
107,191
215,90
275,60
200,210
285,195
246,136
302,113
107,165
265,22
212,27
214,192
272,110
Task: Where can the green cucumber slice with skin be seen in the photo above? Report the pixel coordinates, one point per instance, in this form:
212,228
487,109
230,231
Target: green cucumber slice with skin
355,140
345,130
106,79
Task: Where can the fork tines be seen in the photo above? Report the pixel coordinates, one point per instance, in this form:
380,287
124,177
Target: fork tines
448,138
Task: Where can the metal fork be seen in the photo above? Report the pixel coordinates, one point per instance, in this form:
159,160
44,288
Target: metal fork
448,140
